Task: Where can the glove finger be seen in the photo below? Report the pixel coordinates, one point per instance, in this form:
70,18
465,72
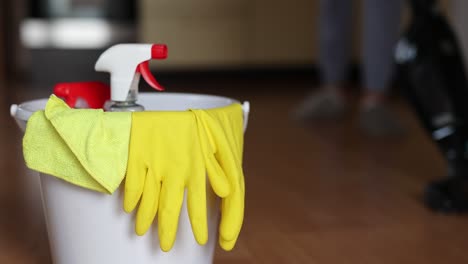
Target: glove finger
149,204
172,194
226,157
232,215
218,180
134,182
196,204
227,245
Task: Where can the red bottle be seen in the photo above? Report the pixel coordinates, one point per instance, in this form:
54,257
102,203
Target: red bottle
95,94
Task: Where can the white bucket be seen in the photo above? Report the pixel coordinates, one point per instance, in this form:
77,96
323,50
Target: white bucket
92,228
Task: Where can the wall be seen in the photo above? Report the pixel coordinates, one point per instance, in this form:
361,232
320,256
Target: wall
237,33
231,33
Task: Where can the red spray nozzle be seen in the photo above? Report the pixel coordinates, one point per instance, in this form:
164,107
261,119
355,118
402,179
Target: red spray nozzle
159,51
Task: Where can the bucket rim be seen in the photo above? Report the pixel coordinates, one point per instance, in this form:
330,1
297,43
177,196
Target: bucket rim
24,110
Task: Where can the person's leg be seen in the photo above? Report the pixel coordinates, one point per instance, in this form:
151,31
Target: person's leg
334,42
381,28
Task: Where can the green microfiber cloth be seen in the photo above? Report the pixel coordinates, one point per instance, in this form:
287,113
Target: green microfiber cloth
85,147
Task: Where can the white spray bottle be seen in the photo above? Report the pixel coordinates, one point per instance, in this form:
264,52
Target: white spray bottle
126,63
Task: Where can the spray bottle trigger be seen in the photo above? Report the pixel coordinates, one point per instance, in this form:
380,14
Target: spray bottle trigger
143,69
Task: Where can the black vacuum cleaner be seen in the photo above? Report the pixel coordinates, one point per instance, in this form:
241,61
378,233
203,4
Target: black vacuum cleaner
431,72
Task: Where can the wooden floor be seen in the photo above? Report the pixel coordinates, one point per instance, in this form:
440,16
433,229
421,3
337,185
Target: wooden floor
316,193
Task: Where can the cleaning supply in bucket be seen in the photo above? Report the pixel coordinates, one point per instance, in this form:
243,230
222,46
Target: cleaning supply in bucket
83,94
176,144
73,144
221,135
163,153
126,63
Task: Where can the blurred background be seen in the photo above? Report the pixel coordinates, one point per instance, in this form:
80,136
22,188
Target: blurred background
316,193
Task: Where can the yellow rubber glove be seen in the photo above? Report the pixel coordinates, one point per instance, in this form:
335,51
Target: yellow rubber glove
222,139
164,159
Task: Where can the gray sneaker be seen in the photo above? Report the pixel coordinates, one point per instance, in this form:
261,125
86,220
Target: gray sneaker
325,104
378,120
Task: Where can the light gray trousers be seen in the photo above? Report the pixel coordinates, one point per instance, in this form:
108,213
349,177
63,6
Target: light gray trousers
381,23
